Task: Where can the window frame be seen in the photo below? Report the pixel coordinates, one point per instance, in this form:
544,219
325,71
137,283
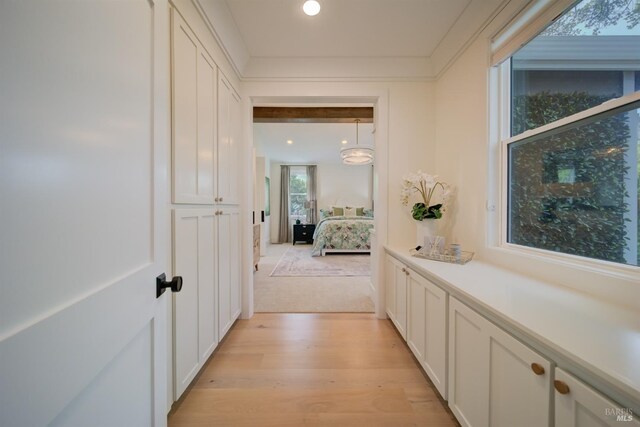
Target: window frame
305,194
502,82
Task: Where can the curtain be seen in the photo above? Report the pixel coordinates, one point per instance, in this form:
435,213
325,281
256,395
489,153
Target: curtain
284,233
311,205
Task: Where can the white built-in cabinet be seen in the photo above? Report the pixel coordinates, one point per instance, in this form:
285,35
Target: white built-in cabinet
207,256
206,131
418,309
194,82
195,320
229,131
206,124
228,267
427,328
494,379
489,377
578,405
396,293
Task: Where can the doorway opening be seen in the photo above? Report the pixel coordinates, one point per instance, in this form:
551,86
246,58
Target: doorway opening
316,211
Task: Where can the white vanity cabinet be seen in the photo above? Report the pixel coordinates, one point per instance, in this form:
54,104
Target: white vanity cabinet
396,289
427,328
494,379
578,405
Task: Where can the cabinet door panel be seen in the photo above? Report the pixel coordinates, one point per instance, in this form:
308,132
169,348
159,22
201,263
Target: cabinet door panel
233,152
234,250
469,365
184,60
416,333
224,137
228,277
193,252
435,352
207,81
401,298
390,284
584,407
207,332
517,394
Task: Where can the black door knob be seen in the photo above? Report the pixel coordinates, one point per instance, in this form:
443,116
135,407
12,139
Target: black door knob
161,284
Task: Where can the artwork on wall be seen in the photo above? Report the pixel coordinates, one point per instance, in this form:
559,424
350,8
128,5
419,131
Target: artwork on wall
267,196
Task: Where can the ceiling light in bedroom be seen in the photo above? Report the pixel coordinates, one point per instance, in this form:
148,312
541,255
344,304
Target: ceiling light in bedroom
344,141
311,7
289,141
357,154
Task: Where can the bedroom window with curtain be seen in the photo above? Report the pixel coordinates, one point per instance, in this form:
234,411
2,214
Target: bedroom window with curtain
298,193
571,99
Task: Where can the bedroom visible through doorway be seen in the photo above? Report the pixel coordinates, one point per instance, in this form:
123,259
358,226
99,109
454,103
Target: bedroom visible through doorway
312,249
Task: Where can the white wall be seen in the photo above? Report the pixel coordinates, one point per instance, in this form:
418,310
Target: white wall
463,154
344,185
462,144
338,185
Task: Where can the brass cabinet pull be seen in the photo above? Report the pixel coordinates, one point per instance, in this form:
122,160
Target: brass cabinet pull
220,198
537,369
404,270
561,387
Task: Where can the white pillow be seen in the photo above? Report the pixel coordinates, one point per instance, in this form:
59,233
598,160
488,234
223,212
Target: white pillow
348,211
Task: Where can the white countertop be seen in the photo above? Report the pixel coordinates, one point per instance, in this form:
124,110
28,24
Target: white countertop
597,336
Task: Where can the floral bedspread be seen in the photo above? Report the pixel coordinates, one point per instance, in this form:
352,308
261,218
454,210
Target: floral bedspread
340,232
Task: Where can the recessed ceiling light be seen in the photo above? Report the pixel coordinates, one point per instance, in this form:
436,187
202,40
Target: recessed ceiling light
311,7
289,141
344,141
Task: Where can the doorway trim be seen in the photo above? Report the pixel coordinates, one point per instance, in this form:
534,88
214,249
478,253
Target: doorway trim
288,94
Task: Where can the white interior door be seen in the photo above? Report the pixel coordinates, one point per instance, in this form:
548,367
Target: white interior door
83,148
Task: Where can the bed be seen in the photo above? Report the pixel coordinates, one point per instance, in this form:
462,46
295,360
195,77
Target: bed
342,234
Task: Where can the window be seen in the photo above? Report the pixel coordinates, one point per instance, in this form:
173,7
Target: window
573,168
298,192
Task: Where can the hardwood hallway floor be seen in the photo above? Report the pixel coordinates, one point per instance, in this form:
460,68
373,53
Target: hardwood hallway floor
326,369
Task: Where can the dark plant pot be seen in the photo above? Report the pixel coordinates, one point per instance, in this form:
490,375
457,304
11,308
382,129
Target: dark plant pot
298,222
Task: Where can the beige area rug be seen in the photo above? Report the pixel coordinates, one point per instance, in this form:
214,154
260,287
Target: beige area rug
328,294
297,262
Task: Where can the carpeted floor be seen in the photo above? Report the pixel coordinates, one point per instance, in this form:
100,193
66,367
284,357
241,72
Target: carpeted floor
348,294
297,262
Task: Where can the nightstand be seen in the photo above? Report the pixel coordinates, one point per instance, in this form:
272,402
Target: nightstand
303,233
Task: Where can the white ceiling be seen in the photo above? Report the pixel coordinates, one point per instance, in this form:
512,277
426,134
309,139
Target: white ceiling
312,142
368,39
360,28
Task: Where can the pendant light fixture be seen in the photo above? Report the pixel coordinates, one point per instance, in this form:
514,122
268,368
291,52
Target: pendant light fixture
358,154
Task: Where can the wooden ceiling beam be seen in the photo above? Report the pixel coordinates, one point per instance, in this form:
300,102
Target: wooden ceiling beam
312,114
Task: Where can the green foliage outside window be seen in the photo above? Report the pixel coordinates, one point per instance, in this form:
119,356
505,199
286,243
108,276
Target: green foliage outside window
297,194
567,190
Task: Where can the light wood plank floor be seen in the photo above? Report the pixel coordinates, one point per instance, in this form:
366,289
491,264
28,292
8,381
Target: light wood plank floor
329,369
